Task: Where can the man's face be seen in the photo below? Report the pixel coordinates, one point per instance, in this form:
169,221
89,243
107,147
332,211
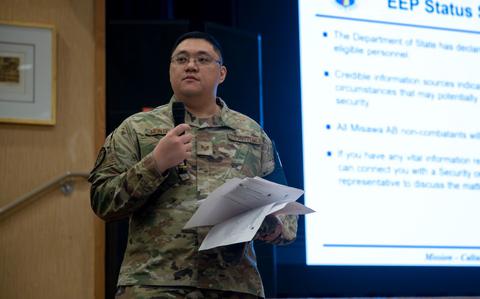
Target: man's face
195,69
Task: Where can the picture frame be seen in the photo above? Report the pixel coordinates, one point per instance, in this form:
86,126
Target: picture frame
27,73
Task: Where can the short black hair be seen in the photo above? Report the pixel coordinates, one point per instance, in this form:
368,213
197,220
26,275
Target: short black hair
200,35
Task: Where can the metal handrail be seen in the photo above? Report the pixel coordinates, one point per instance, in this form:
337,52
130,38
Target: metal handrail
66,186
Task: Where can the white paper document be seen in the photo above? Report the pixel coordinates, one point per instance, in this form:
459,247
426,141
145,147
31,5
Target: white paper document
237,209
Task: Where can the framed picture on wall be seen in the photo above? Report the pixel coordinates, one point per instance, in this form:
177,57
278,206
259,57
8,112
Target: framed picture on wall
27,73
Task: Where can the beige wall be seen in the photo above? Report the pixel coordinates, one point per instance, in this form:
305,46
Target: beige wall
53,248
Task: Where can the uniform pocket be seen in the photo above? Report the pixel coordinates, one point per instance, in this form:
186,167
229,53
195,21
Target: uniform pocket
149,139
246,159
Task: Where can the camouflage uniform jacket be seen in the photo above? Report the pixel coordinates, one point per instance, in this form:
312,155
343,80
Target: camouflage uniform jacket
159,252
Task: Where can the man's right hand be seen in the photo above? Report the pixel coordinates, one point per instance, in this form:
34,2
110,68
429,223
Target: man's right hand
174,148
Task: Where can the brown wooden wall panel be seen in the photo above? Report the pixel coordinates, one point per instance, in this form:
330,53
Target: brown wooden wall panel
53,248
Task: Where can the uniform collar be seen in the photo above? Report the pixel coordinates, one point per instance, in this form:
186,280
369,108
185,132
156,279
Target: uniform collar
220,119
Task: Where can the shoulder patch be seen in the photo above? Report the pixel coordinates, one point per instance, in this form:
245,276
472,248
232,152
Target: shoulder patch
98,162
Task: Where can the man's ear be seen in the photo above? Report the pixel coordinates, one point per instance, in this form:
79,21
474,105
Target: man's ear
223,73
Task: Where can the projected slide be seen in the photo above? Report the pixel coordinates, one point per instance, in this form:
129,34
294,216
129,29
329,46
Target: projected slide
391,131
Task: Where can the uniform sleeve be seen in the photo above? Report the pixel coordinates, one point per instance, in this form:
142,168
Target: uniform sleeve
288,222
267,159
121,180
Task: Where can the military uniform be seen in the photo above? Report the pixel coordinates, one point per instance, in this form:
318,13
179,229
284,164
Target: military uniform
125,182
156,292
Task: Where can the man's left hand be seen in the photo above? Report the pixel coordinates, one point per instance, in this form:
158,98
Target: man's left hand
270,230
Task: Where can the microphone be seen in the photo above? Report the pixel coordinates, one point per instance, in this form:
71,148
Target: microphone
178,112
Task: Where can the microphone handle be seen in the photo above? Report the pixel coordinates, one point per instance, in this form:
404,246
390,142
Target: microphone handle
178,112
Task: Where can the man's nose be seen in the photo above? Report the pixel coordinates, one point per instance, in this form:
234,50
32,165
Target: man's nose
192,63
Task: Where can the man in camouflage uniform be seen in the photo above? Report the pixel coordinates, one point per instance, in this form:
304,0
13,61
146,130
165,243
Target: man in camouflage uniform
136,176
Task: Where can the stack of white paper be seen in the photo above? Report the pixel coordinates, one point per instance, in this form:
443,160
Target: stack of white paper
237,209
